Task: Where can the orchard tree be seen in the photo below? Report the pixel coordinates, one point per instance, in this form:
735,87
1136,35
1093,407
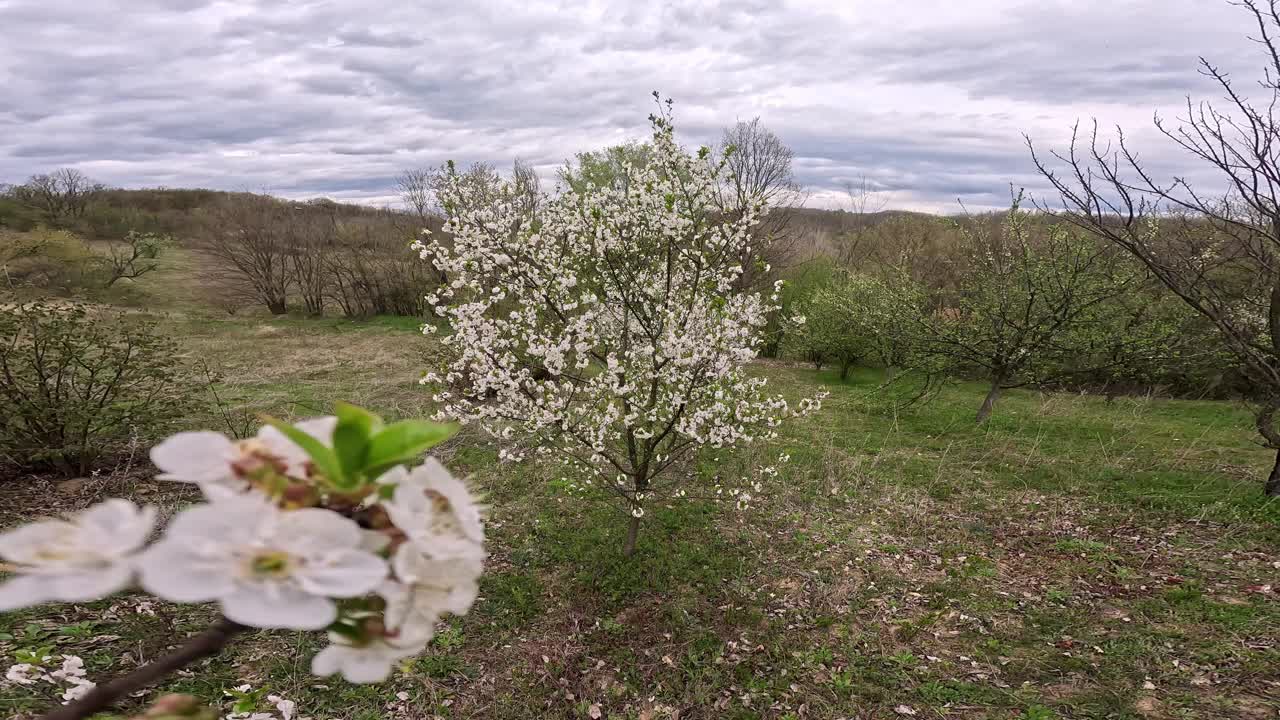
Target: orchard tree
1143,340
826,329
322,525
608,333
1026,290
890,305
854,318
1219,251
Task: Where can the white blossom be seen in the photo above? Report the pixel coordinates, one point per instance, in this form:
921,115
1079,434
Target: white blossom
431,507
439,561
221,466
265,566
610,329
85,557
369,662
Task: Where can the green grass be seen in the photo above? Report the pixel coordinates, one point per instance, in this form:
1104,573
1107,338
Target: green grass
1055,563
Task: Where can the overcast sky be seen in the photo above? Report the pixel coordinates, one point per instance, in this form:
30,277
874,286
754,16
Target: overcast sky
925,98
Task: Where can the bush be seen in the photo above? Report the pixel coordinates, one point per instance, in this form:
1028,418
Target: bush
76,384
53,260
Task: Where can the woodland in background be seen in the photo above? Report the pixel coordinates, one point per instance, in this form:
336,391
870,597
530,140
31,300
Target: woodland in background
845,267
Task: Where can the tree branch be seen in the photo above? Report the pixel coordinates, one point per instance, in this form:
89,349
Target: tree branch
206,644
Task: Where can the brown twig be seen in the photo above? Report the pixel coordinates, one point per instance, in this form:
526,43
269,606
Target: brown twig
206,644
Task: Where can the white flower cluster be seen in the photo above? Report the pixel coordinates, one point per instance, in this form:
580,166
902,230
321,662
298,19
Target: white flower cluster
71,676
610,329
278,543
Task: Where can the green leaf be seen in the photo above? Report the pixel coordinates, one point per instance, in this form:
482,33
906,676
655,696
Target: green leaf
351,437
405,440
324,457
348,413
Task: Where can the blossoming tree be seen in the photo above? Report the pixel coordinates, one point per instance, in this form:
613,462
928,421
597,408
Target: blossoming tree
607,331
321,525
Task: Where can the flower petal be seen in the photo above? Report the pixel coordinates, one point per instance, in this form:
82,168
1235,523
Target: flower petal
90,584
222,520
170,570
295,457
394,476
23,591
287,608
412,565
23,544
329,660
367,667
116,526
320,428
311,531
195,457
345,574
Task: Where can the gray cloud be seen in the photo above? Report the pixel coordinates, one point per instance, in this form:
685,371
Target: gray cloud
927,100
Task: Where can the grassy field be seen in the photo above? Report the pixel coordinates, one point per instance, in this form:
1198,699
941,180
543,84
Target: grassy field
1072,559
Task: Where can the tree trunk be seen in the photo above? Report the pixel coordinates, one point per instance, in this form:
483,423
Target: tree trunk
277,306
989,403
844,370
1272,488
633,531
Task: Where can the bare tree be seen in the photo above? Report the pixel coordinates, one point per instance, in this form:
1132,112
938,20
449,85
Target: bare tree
61,194
370,270
311,231
759,168
247,237
527,186
1217,251
863,197
862,201
416,190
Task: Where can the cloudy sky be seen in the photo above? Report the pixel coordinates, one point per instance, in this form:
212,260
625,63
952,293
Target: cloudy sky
927,99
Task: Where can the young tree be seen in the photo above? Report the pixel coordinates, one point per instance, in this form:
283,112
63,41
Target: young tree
1218,252
1025,292
827,328
607,333
1146,340
891,304
135,257
854,318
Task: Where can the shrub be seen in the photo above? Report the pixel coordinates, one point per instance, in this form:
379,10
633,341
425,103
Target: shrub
47,259
78,383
